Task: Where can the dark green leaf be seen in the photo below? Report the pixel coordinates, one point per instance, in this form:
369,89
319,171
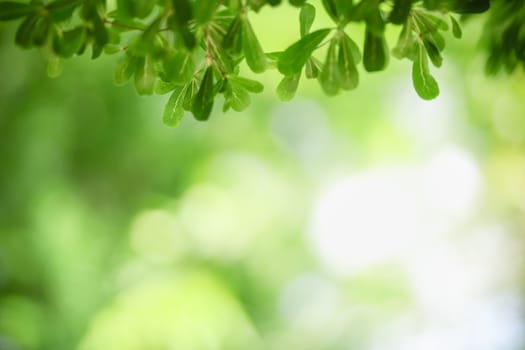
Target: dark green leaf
174,110
66,44
331,9
24,34
306,18
41,31
375,53
400,11
288,86
62,10
424,83
433,53
255,57
10,10
203,100
330,78
232,41
294,57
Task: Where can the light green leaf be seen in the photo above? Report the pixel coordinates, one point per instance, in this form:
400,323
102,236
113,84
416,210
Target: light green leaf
424,83
330,78
249,84
238,98
145,76
125,69
288,87
347,65
174,110
255,57
312,68
177,67
306,18
54,67
405,42
292,60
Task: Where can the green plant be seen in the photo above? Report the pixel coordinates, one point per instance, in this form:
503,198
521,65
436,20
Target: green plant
193,48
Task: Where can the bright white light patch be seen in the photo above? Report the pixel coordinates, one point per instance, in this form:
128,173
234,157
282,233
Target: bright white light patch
365,220
452,182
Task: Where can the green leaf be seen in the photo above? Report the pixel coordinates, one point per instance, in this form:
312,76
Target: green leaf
62,10
177,67
312,68
232,41
182,16
330,78
41,31
424,83
255,57
375,53
204,10
306,18
456,28
145,76
66,44
405,42
347,65
400,11
54,67
236,97
174,110
433,53
10,10
163,87
292,60
331,9
203,100
288,87
249,84
125,69
24,34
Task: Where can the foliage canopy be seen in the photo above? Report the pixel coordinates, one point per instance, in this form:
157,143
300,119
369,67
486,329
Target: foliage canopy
193,48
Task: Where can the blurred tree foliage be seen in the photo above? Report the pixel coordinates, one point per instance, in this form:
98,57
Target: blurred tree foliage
193,49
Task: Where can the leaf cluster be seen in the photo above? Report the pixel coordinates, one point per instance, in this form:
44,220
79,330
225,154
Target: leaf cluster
193,49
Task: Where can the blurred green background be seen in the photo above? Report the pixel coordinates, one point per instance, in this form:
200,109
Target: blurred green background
373,220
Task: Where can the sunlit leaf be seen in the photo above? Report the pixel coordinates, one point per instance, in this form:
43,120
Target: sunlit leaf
292,60
306,18
330,78
347,65
174,110
288,87
424,83
253,52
